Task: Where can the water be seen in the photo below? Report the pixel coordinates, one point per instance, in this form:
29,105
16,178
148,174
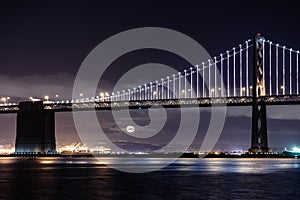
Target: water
86,178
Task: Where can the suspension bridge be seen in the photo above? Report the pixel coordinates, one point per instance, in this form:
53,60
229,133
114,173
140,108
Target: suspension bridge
255,73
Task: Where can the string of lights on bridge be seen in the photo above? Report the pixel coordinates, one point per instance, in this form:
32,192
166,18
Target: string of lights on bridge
226,75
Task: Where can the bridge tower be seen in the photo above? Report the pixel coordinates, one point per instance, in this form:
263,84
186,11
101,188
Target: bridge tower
259,140
35,128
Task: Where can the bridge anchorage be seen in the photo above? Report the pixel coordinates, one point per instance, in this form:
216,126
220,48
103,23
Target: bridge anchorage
272,80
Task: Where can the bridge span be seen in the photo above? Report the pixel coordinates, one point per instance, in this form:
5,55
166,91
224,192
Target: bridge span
257,73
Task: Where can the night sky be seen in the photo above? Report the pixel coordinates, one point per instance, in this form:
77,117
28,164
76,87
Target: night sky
43,43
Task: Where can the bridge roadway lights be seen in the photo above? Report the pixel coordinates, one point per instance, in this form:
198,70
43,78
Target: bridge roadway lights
35,129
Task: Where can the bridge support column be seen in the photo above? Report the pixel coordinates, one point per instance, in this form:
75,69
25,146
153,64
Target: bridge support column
35,128
259,140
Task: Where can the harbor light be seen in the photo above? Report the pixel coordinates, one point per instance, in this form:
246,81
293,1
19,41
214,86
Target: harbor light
296,150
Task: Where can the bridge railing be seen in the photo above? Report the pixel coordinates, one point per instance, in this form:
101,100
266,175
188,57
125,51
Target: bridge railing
9,108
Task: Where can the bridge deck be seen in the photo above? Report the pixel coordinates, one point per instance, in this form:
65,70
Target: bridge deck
167,103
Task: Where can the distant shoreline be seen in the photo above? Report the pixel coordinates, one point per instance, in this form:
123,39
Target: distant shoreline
153,155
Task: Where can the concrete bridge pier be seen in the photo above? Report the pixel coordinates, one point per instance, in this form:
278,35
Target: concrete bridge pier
35,129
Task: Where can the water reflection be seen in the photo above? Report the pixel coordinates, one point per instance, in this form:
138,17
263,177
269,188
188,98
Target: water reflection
216,165
87,178
213,165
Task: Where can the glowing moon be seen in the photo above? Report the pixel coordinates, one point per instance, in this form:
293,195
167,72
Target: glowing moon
130,129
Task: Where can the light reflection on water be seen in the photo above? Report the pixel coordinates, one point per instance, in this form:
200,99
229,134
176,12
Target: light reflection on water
214,165
89,178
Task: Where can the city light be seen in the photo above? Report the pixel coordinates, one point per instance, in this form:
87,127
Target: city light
75,148
5,100
34,99
6,149
296,150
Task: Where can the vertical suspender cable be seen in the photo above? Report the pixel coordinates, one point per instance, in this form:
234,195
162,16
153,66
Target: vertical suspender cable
234,86
283,71
228,77
270,68
247,68
221,79
277,81
241,71
291,71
